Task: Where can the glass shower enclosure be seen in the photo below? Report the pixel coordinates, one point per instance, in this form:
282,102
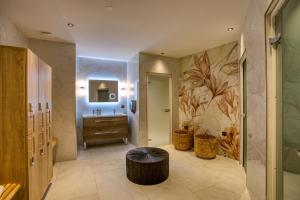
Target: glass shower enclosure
288,101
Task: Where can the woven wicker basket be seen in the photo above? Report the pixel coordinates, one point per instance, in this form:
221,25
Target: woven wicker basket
205,146
183,140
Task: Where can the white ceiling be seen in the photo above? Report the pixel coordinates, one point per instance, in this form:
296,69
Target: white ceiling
176,27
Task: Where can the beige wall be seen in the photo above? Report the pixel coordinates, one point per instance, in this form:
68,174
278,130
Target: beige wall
162,65
253,40
62,58
10,34
133,82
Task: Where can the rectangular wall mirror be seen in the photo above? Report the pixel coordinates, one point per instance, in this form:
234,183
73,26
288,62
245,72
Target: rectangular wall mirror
103,91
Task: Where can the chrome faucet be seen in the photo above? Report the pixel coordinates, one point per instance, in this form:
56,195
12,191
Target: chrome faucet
98,111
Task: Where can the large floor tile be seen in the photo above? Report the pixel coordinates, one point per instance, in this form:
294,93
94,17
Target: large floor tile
99,173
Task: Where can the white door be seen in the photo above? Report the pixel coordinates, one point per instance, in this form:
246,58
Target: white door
158,110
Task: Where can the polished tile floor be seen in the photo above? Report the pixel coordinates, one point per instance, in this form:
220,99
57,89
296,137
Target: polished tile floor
99,174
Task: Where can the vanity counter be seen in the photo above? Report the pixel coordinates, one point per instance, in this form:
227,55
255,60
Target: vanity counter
103,128
103,115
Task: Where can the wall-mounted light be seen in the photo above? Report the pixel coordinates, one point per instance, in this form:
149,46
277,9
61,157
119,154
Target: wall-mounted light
81,85
123,89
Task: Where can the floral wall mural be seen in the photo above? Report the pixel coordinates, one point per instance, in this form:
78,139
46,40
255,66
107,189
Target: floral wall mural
209,95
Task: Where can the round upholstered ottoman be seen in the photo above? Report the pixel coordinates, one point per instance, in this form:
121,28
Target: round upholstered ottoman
147,165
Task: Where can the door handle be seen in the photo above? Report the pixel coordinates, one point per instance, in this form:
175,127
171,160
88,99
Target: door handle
166,110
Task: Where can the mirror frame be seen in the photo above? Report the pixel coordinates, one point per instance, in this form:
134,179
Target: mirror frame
102,79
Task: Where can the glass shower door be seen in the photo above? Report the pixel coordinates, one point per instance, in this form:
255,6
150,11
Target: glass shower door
288,94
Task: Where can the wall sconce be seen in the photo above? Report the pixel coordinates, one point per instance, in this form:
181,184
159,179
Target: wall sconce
81,88
123,89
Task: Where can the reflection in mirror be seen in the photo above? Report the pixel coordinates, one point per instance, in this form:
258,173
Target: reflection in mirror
103,91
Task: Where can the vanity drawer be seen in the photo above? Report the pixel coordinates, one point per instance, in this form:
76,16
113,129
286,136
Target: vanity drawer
105,122
102,131
96,129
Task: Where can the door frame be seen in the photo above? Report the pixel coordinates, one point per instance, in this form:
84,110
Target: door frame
241,67
170,103
271,68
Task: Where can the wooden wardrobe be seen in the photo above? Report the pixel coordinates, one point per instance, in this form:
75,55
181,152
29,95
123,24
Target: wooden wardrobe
25,122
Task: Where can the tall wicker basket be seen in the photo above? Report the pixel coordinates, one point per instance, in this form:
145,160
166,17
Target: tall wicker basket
205,146
183,139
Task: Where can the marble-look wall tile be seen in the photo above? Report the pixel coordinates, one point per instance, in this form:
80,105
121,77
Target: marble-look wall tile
133,84
10,35
156,64
96,68
62,58
254,43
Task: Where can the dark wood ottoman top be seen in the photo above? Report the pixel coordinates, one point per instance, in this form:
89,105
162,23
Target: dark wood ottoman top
147,165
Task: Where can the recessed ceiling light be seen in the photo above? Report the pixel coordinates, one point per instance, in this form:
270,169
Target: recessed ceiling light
70,25
230,29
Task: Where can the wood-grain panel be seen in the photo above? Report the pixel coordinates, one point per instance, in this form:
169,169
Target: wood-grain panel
43,150
12,117
104,121
32,125
21,134
104,128
100,131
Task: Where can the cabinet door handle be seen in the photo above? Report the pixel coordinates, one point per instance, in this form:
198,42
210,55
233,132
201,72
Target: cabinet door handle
33,123
43,123
33,145
30,107
32,161
40,106
49,116
42,151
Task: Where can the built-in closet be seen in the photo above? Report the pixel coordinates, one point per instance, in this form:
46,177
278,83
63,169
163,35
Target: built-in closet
25,122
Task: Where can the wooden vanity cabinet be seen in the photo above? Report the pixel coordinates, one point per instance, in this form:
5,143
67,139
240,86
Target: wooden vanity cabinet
25,121
104,128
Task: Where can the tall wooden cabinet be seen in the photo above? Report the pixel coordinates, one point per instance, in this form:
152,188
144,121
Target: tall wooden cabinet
25,122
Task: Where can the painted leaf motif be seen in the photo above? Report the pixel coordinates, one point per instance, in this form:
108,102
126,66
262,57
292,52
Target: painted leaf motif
230,68
230,96
223,107
217,88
